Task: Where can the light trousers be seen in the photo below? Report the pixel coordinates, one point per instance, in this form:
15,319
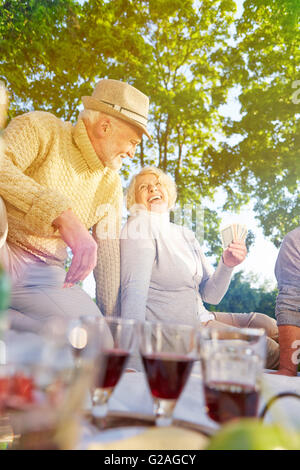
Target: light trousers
253,320
39,297
37,294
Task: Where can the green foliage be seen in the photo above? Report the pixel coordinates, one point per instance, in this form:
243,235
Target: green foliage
53,52
182,55
242,298
36,59
266,68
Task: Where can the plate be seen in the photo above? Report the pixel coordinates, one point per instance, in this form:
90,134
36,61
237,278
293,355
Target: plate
109,435
121,419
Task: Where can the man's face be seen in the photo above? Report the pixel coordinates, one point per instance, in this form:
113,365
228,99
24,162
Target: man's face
114,140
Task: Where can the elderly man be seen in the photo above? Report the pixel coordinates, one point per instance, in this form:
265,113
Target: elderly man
287,271
57,182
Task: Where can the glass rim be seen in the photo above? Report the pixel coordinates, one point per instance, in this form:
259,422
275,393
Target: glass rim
121,320
168,324
256,332
109,319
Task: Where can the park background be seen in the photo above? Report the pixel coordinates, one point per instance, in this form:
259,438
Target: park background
223,79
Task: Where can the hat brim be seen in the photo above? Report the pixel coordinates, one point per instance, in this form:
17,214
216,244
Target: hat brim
91,103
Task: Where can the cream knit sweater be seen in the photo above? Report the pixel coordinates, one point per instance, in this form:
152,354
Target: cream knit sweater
49,167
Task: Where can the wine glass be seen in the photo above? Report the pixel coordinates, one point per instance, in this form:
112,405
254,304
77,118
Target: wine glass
168,353
82,339
46,392
111,341
232,364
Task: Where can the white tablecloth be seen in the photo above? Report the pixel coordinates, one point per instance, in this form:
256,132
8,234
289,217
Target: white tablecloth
132,394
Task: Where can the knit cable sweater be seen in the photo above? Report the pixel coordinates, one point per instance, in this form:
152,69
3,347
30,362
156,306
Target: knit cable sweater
49,167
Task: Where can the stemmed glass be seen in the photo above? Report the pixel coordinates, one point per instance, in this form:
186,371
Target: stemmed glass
168,352
45,392
232,364
110,341
81,338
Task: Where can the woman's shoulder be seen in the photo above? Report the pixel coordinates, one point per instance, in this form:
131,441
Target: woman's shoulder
187,233
139,226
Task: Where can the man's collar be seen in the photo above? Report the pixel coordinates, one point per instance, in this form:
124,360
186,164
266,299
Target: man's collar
84,144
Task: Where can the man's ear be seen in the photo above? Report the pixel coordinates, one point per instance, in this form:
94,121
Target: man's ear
103,126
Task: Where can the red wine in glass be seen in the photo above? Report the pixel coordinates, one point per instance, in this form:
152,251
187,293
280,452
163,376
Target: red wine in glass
167,374
227,401
5,385
16,391
111,365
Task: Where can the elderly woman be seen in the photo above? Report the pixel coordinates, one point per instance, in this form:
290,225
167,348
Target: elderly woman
164,273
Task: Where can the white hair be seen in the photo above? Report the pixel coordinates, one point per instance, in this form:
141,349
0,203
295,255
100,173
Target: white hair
90,114
163,178
93,116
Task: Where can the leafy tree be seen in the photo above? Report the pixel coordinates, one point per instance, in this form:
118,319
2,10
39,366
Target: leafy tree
181,54
166,48
37,60
265,65
242,298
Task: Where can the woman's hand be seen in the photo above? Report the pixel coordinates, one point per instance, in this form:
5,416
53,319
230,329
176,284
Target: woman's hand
234,254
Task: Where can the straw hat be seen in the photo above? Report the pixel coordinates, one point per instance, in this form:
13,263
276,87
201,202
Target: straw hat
121,100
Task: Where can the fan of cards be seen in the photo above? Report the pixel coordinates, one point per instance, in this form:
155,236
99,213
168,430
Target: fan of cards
233,232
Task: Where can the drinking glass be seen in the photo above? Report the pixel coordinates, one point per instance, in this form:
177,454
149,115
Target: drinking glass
110,341
42,392
232,364
168,353
82,339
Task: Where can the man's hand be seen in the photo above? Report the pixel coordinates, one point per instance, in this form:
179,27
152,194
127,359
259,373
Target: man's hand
82,244
234,254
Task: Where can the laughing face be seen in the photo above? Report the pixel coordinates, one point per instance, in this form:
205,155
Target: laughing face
151,193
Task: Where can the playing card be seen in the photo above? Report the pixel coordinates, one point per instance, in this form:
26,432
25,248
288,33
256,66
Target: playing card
227,236
243,232
233,232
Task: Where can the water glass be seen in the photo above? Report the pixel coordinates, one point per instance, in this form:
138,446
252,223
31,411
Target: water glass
232,364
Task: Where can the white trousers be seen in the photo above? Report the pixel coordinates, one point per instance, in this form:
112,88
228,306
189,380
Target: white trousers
37,293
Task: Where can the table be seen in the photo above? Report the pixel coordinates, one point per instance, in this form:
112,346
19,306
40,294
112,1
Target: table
132,395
